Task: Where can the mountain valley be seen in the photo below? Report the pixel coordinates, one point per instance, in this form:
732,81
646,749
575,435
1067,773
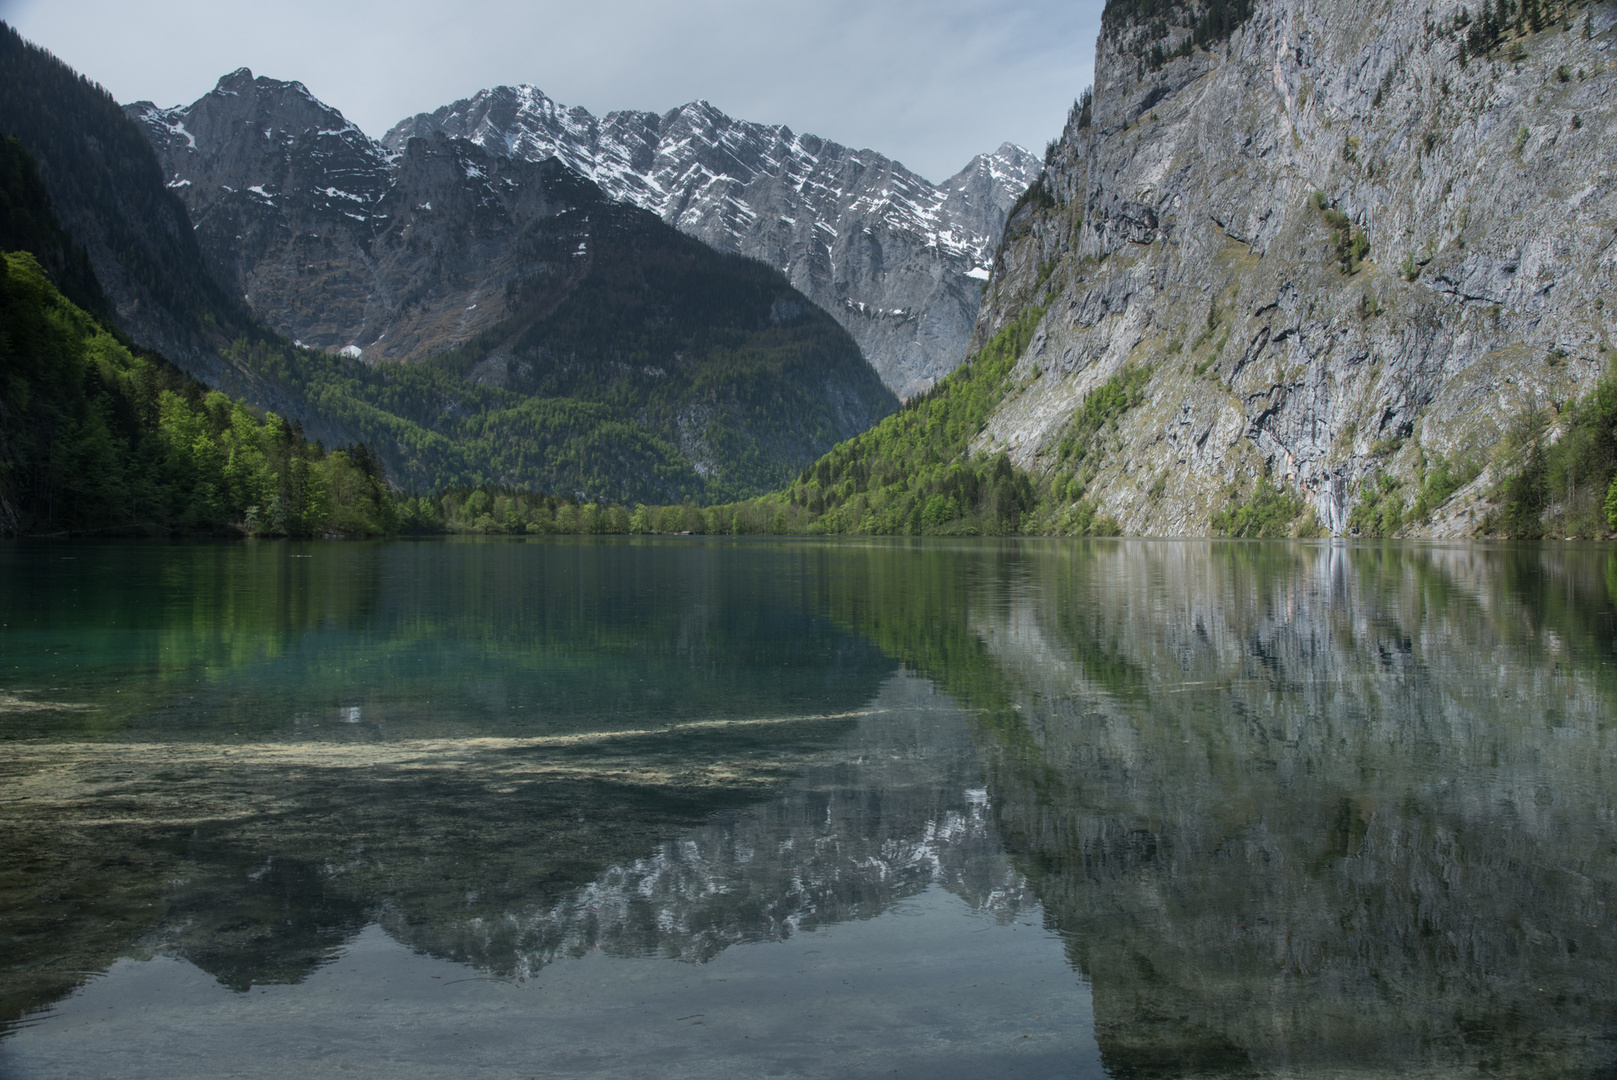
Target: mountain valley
1284,272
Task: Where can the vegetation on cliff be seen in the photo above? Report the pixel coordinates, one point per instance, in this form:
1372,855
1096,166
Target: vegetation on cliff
1498,22
95,437
1209,22
671,373
1564,487
915,473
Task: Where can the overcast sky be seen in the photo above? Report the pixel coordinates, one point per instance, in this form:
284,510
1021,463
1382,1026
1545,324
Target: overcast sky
929,82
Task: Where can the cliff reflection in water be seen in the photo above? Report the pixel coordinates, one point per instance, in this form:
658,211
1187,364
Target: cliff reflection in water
1302,807
1295,808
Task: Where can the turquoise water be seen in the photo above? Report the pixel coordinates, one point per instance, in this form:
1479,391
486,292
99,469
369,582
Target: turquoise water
695,807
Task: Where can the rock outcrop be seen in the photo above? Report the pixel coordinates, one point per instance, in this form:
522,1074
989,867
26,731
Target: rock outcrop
1351,246
339,244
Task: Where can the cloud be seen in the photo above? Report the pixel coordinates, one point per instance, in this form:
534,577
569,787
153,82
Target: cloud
929,82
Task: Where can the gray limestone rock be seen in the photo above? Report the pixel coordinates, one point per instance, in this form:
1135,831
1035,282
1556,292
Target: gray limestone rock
1194,223
378,255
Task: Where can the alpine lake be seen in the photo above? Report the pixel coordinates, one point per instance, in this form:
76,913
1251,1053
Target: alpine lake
756,807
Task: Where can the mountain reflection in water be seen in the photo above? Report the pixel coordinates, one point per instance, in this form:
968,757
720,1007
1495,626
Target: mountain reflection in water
1293,809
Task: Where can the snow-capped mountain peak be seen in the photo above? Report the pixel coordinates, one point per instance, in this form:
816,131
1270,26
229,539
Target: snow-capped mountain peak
892,256
895,259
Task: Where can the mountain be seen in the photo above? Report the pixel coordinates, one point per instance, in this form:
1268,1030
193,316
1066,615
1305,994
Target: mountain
557,338
1285,274
105,192
601,354
1360,267
895,259
98,437
247,194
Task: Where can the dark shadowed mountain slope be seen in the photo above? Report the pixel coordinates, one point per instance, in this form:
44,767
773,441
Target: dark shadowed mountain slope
27,224
894,258
97,437
569,342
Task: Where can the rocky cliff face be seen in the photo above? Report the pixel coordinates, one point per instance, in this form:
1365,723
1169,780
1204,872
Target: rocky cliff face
1351,245
341,245
896,260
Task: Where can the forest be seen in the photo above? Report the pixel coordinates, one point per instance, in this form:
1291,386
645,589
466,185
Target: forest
96,437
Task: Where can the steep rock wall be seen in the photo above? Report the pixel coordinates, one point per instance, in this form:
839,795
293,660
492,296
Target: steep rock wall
1201,219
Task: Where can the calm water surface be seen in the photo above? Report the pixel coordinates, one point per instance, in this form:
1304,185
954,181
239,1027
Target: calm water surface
686,808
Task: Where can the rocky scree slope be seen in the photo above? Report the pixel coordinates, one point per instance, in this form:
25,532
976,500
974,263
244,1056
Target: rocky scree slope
897,260
1354,246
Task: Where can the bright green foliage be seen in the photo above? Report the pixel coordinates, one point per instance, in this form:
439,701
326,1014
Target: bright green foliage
1099,414
1272,511
1380,512
1082,448
491,509
94,437
1350,243
498,510
1562,488
1440,480
913,472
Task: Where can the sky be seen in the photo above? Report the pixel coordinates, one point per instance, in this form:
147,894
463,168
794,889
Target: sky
928,82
